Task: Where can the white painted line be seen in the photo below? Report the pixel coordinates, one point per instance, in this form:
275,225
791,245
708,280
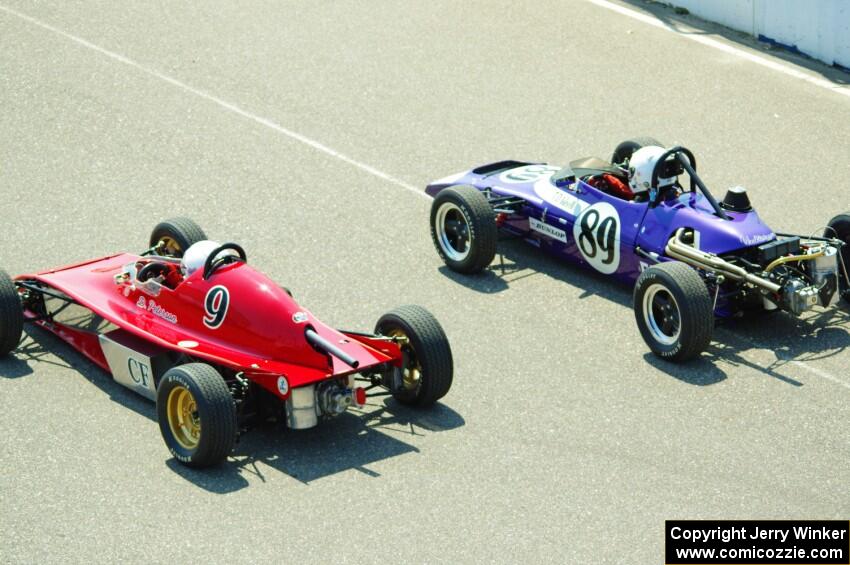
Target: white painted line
813,370
222,103
821,373
726,48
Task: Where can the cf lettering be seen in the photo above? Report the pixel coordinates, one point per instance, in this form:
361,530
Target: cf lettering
139,372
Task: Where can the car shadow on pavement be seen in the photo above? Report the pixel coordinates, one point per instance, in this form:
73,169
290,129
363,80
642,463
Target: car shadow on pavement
820,335
39,346
517,260
824,334
699,372
352,441
14,367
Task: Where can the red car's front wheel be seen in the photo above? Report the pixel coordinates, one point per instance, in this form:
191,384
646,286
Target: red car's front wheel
197,414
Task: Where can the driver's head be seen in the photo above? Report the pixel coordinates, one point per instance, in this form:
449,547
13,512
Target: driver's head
196,256
641,166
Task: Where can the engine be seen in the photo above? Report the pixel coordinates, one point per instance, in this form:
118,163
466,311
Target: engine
788,273
807,274
307,404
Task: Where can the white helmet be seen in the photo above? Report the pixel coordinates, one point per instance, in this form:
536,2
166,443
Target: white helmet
196,256
641,165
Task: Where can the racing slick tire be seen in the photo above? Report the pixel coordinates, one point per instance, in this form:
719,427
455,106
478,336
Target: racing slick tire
627,148
839,227
11,315
197,415
463,228
427,367
674,311
178,233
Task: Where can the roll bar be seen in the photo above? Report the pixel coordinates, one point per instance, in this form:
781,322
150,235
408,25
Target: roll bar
687,160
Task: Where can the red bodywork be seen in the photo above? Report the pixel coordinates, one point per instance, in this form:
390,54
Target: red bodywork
261,335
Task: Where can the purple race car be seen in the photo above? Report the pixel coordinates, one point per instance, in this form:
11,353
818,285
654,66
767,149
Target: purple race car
690,257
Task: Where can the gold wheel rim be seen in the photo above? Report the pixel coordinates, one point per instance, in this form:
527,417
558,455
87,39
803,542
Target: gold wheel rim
183,418
412,370
169,246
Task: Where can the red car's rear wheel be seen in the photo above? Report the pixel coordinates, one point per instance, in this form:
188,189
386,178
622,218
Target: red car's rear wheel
11,315
173,237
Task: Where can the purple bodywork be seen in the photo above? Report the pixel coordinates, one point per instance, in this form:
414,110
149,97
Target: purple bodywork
618,237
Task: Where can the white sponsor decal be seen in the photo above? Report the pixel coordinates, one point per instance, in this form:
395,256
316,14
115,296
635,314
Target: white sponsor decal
559,198
282,385
541,176
597,234
299,317
756,239
528,173
141,303
546,229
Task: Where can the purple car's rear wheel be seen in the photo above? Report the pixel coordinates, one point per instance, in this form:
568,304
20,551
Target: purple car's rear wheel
674,311
839,227
624,151
463,228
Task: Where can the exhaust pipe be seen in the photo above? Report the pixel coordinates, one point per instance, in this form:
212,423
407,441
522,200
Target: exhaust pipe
677,249
328,348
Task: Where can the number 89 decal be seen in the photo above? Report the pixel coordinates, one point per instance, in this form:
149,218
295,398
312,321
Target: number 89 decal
597,234
215,306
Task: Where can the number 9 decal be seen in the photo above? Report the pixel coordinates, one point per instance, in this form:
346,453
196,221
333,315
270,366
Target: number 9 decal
597,234
215,306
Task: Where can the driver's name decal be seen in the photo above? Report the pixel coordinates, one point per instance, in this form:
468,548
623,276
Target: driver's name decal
156,310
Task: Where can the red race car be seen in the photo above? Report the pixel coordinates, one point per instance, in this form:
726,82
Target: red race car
217,344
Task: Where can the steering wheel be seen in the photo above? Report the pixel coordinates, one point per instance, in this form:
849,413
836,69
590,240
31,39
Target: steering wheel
213,261
152,269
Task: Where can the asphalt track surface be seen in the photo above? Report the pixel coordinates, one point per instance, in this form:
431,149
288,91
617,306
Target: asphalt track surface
298,130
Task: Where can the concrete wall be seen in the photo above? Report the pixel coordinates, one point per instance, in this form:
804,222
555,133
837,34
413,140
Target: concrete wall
818,28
